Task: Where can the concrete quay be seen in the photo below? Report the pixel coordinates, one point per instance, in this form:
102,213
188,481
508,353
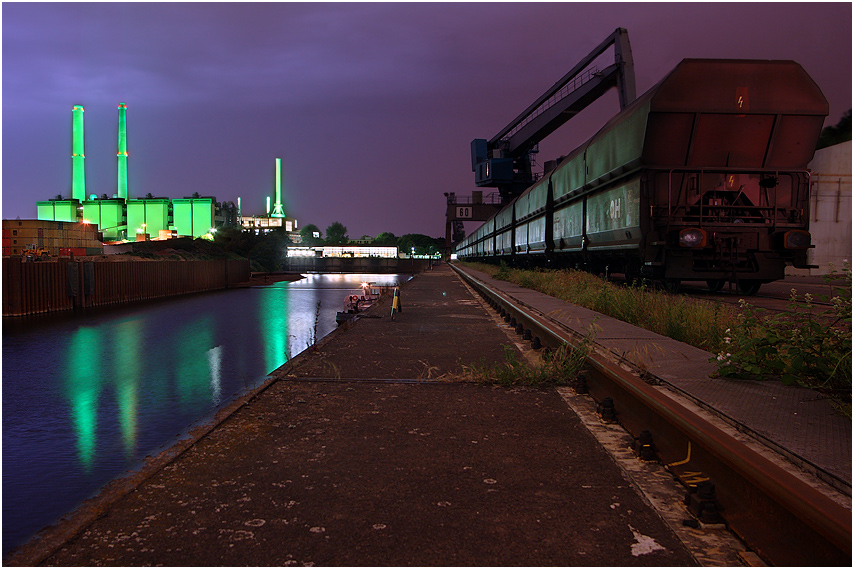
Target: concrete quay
365,451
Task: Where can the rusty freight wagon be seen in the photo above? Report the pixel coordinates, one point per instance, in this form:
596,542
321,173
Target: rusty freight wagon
703,177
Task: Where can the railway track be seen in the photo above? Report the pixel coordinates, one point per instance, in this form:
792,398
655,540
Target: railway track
775,297
781,516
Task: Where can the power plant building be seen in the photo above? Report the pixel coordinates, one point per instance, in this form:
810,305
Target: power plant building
193,217
108,214
58,210
148,216
122,218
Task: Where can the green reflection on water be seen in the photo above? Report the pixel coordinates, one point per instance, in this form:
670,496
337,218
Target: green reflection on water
83,386
193,373
273,316
111,359
126,375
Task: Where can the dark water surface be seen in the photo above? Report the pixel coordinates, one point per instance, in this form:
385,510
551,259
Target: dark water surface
86,397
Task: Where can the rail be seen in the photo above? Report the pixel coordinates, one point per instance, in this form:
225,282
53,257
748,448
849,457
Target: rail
784,519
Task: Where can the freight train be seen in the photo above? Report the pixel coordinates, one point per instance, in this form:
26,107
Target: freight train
702,178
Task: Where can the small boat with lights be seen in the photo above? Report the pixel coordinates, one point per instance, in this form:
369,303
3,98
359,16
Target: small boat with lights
355,304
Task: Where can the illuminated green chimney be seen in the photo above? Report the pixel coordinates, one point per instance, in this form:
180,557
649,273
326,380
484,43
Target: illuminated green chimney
123,153
78,170
278,210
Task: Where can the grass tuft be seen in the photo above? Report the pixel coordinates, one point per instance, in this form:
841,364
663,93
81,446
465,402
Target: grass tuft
558,367
796,347
700,324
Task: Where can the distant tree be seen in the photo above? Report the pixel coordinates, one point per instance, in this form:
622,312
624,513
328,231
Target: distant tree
385,238
235,240
423,244
336,234
841,132
266,251
279,238
266,255
308,232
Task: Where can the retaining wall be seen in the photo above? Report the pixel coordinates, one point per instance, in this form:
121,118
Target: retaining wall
65,284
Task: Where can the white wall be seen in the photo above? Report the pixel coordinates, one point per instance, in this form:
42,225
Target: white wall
830,210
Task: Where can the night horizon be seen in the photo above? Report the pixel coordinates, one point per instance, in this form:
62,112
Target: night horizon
371,107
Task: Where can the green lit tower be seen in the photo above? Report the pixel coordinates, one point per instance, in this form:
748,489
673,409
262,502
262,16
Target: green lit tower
278,210
123,153
78,170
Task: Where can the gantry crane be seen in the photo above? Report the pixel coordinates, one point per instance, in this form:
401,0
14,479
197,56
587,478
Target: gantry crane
506,160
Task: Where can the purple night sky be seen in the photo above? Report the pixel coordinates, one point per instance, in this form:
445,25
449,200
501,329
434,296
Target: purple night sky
371,107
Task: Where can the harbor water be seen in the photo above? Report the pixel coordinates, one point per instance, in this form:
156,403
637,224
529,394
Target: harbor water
86,397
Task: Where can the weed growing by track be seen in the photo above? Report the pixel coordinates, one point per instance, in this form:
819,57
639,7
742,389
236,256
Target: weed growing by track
800,347
700,324
557,367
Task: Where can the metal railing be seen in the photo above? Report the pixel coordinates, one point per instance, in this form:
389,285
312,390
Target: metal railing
564,92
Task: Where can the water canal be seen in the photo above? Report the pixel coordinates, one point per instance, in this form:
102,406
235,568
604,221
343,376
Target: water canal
86,397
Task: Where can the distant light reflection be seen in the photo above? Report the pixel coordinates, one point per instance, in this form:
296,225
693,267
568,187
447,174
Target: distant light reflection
215,364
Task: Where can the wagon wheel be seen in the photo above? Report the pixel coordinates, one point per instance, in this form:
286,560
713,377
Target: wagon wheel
748,287
672,285
715,285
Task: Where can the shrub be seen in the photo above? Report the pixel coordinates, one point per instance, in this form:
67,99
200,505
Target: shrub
807,346
695,322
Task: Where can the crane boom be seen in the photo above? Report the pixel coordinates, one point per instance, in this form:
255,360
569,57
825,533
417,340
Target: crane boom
504,161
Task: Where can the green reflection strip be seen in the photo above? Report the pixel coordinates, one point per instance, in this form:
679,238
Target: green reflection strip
193,371
273,316
82,387
126,376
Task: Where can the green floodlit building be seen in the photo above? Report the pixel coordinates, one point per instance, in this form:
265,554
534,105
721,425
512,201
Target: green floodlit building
193,216
148,216
58,210
109,215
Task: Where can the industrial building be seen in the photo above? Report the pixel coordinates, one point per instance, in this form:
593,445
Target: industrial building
344,251
121,217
